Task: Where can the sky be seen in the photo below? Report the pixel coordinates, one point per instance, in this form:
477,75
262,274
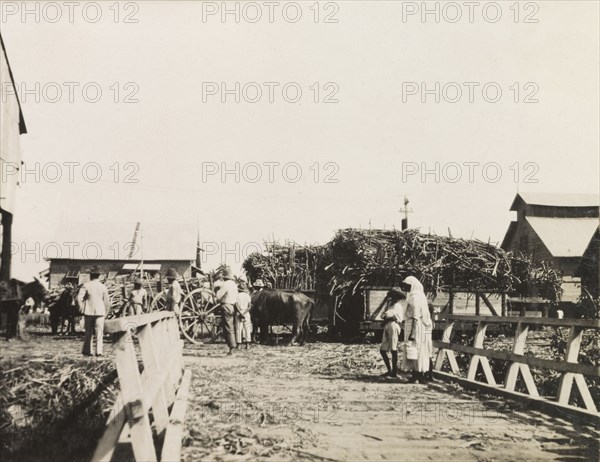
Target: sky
341,113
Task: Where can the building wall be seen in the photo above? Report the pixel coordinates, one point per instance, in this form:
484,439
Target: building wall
526,241
10,149
11,127
59,268
590,268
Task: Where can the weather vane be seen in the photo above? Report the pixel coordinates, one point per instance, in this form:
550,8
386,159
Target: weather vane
405,210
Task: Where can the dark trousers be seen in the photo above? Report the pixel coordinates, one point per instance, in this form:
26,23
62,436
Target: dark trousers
11,308
228,324
94,328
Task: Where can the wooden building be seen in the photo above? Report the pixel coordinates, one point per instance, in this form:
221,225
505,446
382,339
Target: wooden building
120,248
589,269
557,229
12,126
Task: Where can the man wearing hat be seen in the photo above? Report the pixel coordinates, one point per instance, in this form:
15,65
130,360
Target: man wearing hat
243,325
138,298
258,285
227,295
93,303
174,293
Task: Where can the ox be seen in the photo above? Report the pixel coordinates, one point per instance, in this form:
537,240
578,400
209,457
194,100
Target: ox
276,307
64,311
13,294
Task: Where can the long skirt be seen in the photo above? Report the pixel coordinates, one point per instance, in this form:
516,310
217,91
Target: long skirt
424,346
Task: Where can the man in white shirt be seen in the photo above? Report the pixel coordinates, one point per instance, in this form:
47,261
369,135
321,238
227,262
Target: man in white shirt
227,295
243,325
93,302
174,293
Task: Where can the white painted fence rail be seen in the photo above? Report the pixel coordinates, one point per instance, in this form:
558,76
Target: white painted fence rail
572,373
140,421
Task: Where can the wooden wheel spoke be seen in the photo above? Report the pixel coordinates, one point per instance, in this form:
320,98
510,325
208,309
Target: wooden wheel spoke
197,319
191,316
213,309
190,325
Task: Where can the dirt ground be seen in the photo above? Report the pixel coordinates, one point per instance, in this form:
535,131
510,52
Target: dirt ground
326,401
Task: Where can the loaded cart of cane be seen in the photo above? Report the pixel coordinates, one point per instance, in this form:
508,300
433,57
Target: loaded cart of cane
199,317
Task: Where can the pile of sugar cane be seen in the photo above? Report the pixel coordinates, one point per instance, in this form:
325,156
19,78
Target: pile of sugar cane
356,258
53,408
286,266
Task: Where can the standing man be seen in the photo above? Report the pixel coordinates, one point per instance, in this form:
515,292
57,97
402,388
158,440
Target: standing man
138,298
174,293
93,303
243,326
227,295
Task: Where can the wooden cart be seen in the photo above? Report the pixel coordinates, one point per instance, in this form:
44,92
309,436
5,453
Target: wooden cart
456,301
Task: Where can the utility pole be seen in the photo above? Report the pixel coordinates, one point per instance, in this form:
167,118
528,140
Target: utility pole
134,241
199,250
405,210
137,237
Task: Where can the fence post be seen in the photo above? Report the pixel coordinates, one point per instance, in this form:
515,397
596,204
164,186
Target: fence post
566,381
131,389
152,364
518,348
442,353
476,359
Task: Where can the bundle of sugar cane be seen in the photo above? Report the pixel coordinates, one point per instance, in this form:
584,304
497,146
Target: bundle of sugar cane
359,258
286,266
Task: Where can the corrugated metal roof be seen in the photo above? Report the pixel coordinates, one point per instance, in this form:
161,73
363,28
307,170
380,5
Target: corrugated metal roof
112,241
145,266
564,237
559,199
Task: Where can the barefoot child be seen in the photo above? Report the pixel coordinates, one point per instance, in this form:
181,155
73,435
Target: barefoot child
138,298
393,316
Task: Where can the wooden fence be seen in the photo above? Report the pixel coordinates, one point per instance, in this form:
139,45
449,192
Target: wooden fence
571,372
140,420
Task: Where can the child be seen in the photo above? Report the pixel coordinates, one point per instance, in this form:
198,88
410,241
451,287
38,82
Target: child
138,298
392,318
174,293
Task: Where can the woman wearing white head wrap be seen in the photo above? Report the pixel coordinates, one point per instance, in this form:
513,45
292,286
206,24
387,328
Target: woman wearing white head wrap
418,328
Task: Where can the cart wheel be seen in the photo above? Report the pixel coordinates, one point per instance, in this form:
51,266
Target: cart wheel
198,319
115,306
159,302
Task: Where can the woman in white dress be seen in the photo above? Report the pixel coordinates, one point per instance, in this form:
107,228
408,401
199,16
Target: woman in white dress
417,329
